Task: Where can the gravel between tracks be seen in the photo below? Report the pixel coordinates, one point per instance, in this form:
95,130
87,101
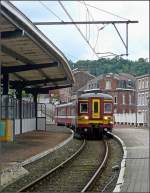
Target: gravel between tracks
36,169
74,176
114,158
39,167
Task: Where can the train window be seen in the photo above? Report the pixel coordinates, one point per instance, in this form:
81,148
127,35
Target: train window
83,107
72,111
107,108
62,111
96,107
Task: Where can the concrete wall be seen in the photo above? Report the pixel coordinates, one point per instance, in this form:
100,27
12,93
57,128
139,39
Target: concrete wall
27,125
41,123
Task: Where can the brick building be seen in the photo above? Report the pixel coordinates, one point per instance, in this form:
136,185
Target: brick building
121,86
143,96
81,79
67,94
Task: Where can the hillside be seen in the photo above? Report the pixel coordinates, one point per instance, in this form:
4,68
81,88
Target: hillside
115,65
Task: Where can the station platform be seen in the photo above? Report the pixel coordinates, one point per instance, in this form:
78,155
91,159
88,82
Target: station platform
136,176
28,147
31,143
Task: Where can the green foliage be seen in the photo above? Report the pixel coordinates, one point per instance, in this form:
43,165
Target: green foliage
114,65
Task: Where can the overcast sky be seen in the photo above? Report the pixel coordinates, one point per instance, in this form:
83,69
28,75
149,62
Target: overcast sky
69,40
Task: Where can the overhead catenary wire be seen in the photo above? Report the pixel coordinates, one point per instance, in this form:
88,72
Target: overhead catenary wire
108,12
77,28
88,18
51,11
96,39
102,10
57,18
87,39
90,14
95,24
86,36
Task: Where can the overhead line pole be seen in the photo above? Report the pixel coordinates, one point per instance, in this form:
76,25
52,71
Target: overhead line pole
83,22
92,22
127,39
72,22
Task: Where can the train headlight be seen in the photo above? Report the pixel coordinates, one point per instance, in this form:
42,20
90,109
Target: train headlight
105,118
86,117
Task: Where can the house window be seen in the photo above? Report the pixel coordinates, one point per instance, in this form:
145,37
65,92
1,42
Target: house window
108,84
115,109
146,102
142,83
139,85
123,110
130,99
115,99
143,102
123,99
140,99
146,83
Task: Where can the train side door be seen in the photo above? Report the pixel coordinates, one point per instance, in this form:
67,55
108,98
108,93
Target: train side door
95,108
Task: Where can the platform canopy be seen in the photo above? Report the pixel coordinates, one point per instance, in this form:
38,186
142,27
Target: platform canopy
28,57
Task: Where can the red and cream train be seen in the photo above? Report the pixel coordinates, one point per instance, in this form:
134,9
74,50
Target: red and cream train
90,115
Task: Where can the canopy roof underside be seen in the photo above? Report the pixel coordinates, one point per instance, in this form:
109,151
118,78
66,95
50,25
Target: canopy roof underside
28,56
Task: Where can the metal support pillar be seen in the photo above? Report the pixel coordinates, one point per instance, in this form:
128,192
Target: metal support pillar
5,84
127,39
136,107
35,102
19,97
5,92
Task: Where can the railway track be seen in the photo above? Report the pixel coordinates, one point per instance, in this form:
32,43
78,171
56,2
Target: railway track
77,173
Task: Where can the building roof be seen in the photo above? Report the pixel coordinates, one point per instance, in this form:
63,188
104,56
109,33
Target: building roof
90,95
28,55
81,78
143,76
75,71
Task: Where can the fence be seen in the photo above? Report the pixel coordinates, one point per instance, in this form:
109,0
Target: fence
131,118
50,113
10,108
50,110
41,116
10,111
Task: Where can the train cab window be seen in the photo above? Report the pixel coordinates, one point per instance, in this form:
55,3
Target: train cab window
83,107
107,108
96,107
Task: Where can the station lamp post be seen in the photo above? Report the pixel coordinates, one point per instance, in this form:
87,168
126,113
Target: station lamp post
148,100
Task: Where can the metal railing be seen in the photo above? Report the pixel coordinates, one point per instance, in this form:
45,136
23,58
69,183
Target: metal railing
10,108
41,110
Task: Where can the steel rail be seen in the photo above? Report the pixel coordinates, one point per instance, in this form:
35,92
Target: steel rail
53,170
89,184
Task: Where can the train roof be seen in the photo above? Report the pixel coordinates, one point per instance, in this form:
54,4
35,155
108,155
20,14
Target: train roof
65,104
90,95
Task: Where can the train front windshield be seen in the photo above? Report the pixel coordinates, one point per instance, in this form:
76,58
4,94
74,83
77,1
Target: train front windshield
107,108
83,107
